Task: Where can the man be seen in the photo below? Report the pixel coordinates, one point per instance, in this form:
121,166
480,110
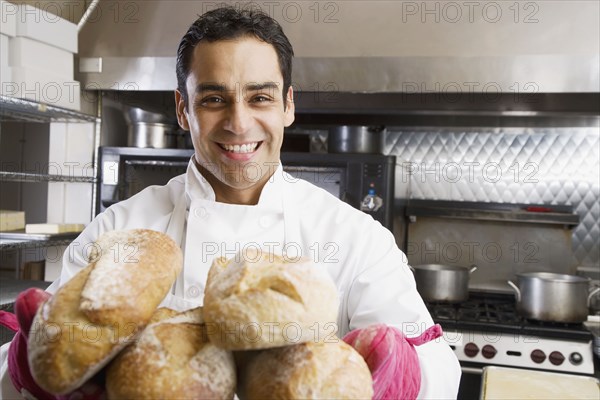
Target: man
235,97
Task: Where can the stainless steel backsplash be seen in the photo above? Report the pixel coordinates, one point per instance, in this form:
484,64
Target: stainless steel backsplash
502,165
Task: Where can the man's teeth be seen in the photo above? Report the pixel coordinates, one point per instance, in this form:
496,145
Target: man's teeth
244,148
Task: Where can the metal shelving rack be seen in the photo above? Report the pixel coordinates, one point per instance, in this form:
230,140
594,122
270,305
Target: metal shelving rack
22,110
13,109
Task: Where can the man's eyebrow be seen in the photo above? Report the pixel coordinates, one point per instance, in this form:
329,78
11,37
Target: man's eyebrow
210,87
261,86
219,87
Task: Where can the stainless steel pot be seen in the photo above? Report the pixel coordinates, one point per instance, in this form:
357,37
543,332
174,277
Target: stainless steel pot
443,283
158,136
150,129
355,139
546,296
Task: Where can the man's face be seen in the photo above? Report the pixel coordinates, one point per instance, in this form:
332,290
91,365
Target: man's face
235,112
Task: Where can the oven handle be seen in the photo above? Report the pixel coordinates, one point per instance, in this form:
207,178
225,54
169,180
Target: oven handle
471,370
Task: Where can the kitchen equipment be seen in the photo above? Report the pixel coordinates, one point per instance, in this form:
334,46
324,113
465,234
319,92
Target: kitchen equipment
150,129
512,383
125,171
445,283
546,296
593,325
355,139
487,329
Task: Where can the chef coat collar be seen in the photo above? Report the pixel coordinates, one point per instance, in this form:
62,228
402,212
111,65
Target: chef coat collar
197,187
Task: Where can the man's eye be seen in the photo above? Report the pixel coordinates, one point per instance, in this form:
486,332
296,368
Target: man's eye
211,101
261,99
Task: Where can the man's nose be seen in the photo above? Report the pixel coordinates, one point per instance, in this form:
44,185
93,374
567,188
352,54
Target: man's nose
239,118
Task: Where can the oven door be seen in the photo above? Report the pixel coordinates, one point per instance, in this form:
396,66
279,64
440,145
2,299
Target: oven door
125,171
470,381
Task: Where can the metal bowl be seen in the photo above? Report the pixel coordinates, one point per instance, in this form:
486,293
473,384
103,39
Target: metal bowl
355,139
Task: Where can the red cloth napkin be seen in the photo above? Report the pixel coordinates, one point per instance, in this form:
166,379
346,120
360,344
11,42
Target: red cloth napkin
392,359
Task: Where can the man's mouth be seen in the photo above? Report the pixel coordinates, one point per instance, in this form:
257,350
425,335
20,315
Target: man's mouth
240,149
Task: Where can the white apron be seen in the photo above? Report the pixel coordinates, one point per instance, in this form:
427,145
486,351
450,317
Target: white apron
215,229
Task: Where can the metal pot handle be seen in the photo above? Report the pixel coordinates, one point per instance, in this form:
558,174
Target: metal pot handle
592,293
472,269
516,289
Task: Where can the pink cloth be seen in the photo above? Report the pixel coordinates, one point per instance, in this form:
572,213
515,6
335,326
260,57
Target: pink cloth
392,359
26,306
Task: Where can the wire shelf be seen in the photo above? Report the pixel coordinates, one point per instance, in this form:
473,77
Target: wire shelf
36,178
13,109
28,244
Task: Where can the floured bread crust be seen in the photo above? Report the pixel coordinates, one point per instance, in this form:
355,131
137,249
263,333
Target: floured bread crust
262,301
133,270
332,370
173,359
73,336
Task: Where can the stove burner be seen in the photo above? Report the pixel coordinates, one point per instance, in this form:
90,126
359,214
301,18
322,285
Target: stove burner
496,312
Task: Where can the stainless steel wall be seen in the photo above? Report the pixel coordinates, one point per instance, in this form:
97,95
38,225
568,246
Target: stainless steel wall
503,165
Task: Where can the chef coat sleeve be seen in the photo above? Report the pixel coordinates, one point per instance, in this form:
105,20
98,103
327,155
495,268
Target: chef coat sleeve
384,291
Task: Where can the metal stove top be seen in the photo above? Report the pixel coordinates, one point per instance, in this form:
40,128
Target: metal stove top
497,312
488,330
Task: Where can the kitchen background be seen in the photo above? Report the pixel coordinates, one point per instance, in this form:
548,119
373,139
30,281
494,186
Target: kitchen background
472,113
489,107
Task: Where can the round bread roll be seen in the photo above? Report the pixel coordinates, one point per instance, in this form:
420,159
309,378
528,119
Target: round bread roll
95,314
173,359
330,370
259,300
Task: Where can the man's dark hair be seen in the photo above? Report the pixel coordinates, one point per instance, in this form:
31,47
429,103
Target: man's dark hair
230,23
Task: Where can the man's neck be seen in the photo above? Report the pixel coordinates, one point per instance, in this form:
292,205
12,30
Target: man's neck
227,194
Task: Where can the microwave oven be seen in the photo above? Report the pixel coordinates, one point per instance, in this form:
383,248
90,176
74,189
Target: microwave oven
125,171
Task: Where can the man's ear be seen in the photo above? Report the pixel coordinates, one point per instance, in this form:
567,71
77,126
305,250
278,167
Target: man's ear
290,108
181,111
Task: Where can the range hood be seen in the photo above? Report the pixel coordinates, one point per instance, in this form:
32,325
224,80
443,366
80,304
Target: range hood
368,46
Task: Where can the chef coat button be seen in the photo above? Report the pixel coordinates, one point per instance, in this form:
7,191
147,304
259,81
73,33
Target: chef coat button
200,212
265,221
193,292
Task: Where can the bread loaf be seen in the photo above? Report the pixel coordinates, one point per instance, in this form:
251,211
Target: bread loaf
331,370
95,314
259,300
173,359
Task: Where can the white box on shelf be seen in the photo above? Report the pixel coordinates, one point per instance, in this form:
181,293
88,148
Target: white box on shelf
5,77
41,25
4,46
30,53
8,20
70,202
43,87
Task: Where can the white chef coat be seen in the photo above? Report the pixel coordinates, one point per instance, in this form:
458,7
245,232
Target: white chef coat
374,282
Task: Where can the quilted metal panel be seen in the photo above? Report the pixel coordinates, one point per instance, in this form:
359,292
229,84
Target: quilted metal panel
507,165
502,165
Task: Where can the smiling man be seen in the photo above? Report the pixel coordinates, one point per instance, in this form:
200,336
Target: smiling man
234,95
235,104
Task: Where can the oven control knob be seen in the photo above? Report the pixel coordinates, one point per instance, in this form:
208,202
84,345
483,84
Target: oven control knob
575,358
488,351
471,349
538,356
556,358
